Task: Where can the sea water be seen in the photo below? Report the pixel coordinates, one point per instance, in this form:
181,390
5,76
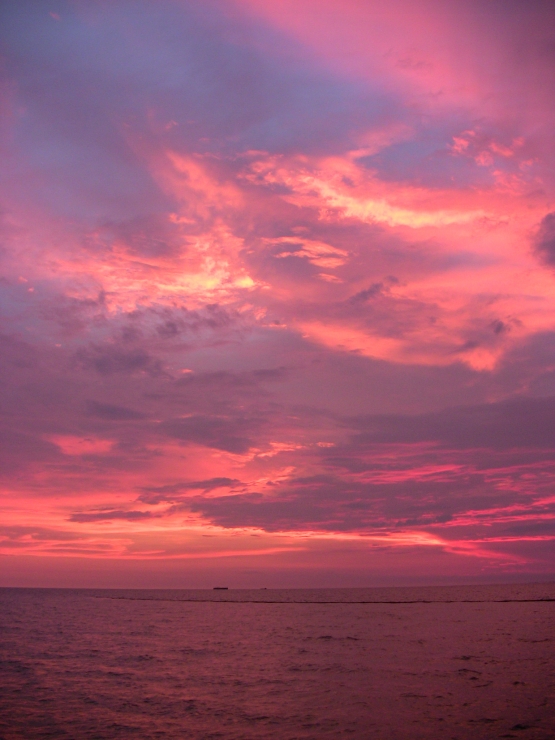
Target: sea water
390,664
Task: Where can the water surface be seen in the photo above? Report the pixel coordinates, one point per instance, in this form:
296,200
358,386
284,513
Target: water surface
391,664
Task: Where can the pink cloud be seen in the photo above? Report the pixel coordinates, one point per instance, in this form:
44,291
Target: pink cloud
276,288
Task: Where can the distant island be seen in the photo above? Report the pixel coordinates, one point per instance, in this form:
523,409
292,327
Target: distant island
220,588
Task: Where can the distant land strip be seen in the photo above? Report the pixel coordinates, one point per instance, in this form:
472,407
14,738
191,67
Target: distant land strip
268,601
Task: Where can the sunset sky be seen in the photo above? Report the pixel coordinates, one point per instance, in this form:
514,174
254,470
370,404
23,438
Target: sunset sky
277,292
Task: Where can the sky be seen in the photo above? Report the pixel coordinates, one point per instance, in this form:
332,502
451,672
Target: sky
277,292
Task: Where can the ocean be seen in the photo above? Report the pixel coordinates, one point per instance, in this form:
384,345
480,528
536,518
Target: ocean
453,662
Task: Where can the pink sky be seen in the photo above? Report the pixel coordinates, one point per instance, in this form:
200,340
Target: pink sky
277,292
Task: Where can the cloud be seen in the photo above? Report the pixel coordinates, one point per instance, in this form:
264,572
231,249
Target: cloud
277,271
522,422
176,491
222,433
110,359
488,465
100,516
339,504
71,444
545,240
112,413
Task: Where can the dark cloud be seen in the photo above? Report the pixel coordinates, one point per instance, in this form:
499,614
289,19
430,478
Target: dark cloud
174,491
531,527
224,393
330,502
498,326
18,535
477,458
364,295
112,413
109,359
17,355
545,239
233,434
99,516
178,322
72,315
522,422
230,382
212,483
21,449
